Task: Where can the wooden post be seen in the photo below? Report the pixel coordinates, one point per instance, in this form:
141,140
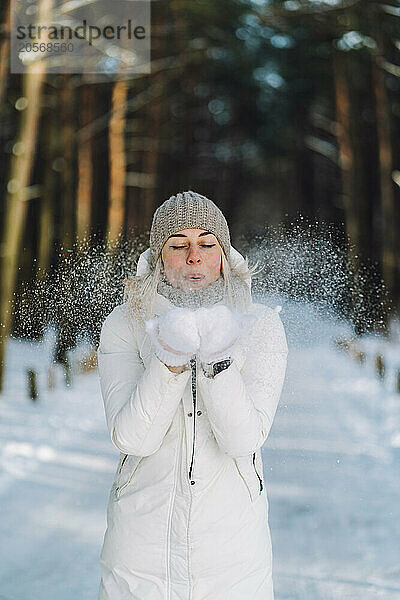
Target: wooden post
50,378
380,366
32,384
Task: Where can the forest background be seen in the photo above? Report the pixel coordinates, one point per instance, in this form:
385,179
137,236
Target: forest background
285,113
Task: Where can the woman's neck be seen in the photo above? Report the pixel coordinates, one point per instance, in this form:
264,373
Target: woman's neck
206,296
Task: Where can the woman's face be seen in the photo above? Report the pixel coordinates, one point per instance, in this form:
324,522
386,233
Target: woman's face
192,258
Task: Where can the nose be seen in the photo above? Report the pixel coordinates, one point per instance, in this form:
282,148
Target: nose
193,256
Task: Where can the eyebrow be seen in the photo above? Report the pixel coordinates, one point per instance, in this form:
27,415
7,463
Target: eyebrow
183,235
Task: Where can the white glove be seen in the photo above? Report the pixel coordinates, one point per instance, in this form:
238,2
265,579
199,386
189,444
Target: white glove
174,336
219,329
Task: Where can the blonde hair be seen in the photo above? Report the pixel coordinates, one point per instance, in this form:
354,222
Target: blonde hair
140,291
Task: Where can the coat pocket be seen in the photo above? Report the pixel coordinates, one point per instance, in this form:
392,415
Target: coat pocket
258,467
125,472
250,470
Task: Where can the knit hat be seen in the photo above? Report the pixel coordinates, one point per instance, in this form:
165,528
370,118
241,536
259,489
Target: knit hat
184,211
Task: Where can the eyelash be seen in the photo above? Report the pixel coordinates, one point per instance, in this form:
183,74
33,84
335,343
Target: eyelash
203,246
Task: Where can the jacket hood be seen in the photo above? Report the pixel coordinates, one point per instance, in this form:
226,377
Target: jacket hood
143,268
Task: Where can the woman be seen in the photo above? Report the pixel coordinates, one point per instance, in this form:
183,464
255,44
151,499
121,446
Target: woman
191,372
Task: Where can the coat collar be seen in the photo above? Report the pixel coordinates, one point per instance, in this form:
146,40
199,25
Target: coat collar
161,304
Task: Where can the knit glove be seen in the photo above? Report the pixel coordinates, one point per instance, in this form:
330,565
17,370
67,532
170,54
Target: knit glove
174,336
220,329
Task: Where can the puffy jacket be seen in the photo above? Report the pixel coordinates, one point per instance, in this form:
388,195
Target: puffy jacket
187,516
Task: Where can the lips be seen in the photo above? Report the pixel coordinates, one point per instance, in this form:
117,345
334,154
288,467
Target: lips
196,276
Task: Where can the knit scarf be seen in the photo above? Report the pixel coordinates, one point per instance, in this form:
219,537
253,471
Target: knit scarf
207,296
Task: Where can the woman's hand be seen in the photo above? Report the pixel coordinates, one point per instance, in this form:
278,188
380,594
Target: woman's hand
177,369
219,330
174,336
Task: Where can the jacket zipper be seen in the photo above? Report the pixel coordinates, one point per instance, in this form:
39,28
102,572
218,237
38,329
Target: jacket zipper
193,367
254,465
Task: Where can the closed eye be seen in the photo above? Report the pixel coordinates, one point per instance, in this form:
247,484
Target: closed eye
202,245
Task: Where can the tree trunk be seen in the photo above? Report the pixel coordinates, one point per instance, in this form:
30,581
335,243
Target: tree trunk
85,165
4,51
116,207
67,147
355,201
16,199
49,189
66,338
390,227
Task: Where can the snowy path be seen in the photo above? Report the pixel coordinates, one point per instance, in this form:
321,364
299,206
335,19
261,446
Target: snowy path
333,478
331,471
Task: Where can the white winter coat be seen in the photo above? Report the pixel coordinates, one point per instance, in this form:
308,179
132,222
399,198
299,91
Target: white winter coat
187,516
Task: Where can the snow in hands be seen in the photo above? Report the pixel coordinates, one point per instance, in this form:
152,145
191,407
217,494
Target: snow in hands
209,332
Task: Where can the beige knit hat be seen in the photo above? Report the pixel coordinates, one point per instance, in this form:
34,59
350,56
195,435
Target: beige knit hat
183,211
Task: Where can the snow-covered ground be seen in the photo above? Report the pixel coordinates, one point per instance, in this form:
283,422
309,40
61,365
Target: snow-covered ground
331,463
333,468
